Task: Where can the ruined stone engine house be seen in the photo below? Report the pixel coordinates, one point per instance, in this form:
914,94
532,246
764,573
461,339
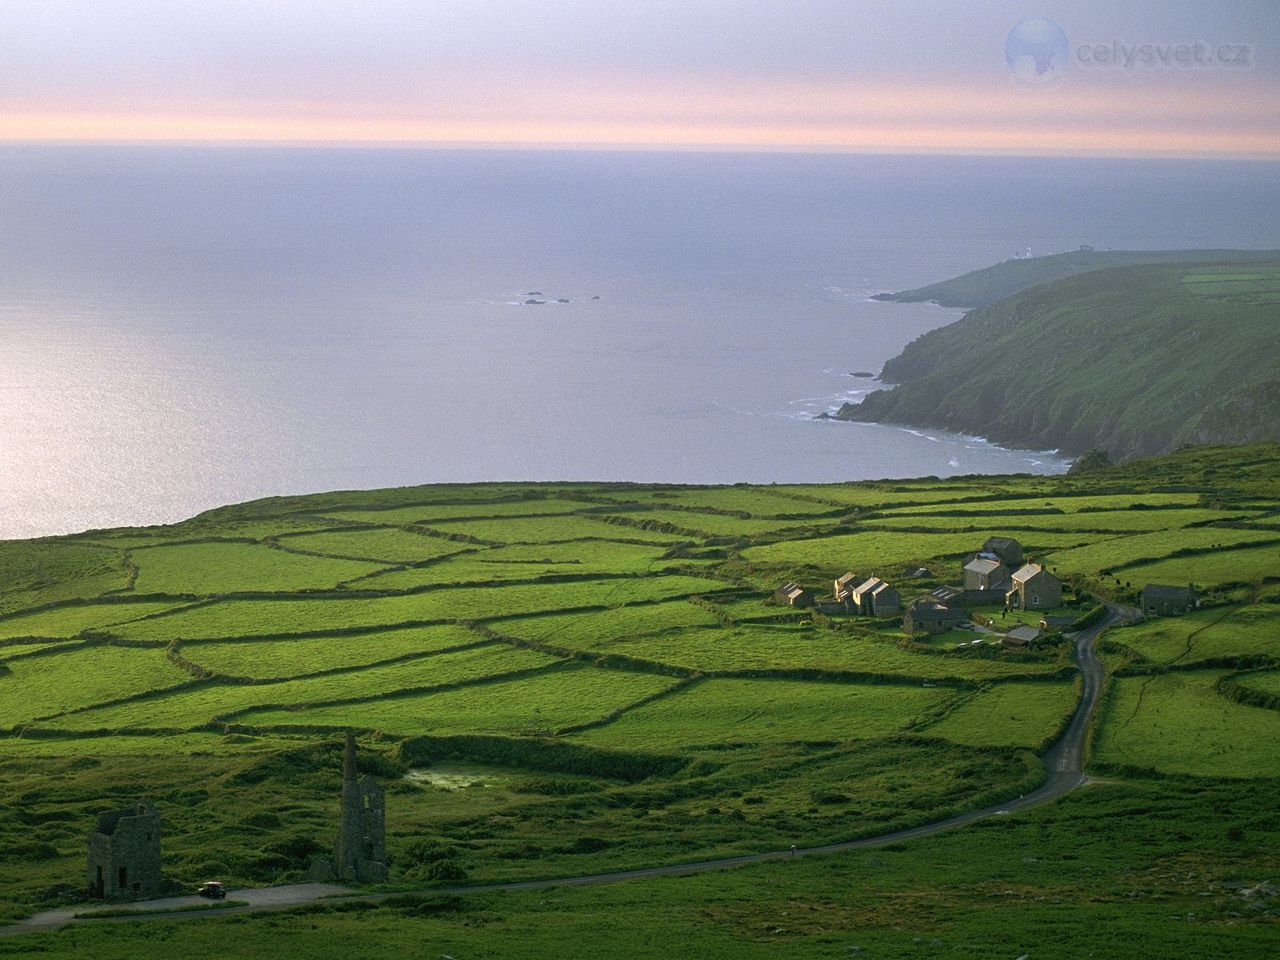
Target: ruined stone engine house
124,854
360,853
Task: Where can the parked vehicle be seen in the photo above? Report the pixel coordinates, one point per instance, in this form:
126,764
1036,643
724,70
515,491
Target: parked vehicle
213,889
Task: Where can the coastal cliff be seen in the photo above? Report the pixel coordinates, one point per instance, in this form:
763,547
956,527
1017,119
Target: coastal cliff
1133,360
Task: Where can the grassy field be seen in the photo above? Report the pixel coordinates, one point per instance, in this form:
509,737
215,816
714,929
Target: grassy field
200,704
1101,521
1009,714
1244,565
626,695
70,621
1205,635
1213,565
42,684
1267,682
1178,723
534,706
275,659
891,551
765,711
213,568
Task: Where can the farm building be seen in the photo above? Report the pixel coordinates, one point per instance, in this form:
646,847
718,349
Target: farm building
1034,588
928,616
844,586
956,597
1020,637
793,595
1158,600
985,573
1006,549
875,598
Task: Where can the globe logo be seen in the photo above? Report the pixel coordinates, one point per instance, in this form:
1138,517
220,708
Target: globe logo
1036,50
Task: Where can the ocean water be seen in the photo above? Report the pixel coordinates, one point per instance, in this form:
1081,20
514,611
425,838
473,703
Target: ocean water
186,327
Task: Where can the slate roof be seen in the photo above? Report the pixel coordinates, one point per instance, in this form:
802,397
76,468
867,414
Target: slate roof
1001,543
982,565
930,610
1024,634
1027,571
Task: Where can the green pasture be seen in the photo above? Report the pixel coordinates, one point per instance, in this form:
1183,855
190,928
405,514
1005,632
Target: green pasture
47,571
534,706
529,561
1265,681
381,545
763,711
69,621
1242,565
233,618
550,530
685,635
43,684
888,552
202,703
276,659
716,524
1065,503
1120,552
1227,283
897,494
1178,723
1207,634
429,513
1009,714
1091,525
215,568
757,502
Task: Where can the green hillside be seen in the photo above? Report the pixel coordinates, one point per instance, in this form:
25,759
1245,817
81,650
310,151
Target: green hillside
981,287
564,679
1134,360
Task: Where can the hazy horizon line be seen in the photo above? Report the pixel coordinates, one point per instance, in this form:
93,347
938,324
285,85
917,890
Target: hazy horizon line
550,146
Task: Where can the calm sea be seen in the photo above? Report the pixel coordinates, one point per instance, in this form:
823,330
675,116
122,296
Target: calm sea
181,328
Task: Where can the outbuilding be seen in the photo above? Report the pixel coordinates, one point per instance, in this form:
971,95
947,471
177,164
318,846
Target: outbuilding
1158,600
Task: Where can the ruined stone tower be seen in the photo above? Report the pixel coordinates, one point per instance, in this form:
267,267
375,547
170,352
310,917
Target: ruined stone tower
124,854
360,853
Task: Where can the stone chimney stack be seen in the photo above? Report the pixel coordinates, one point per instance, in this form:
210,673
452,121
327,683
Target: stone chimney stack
350,846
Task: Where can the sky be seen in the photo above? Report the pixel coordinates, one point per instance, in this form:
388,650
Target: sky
1181,78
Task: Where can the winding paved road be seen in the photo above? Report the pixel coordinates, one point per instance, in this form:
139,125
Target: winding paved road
1064,764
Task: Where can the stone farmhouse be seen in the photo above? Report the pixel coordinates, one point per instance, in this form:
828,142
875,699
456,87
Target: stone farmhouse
875,598
1157,600
1034,588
